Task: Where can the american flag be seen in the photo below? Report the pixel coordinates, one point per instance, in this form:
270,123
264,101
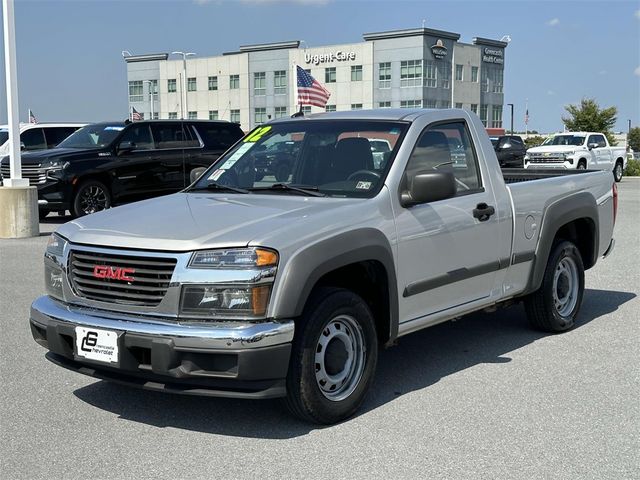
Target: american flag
32,117
135,115
310,91
526,117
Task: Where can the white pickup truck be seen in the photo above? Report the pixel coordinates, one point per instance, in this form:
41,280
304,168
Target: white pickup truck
578,150
247,285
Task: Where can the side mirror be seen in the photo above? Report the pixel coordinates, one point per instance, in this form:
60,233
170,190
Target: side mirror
126,146
425,187
592,145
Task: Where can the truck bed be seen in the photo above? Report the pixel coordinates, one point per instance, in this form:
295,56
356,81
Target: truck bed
517,175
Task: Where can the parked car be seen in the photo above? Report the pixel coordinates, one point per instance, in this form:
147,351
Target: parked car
510,150
38,136
105,164
237,287
578,150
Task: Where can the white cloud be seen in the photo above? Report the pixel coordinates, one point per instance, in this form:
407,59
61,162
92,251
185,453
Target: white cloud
553,22
637,71
550,92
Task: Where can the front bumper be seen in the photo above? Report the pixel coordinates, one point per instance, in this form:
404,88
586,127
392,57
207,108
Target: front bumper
242,360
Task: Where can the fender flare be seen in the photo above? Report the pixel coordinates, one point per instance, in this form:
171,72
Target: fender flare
303,270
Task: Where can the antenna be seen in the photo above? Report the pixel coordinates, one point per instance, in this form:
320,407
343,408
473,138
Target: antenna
506,38
424,20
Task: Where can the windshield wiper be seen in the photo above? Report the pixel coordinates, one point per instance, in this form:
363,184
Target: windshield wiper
309,190
218,186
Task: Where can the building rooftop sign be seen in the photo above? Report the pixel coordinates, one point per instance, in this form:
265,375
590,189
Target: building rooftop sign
338,56
439,50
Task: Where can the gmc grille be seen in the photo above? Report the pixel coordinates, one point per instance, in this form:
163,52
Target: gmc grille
34,173
150,279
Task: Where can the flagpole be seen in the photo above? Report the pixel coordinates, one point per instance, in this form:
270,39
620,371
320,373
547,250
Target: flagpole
526,124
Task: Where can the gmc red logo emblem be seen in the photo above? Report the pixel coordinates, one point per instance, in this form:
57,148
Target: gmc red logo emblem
115,273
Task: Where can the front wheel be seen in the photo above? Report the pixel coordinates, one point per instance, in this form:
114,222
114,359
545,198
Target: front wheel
91,197
555,305
617,172
333,357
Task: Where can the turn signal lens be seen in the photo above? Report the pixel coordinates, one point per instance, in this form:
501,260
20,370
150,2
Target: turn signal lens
266,258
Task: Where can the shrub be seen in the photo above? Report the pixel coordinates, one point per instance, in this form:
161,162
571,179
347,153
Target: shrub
633,168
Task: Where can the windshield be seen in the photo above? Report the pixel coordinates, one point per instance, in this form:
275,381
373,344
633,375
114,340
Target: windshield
92,136
334,158
494,141
574,140
4,136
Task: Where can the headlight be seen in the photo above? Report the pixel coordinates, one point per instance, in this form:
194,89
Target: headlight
234,258
225,301
53,266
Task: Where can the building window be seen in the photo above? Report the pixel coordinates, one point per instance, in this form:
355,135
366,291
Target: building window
213,115
474,108
234,82
356,106
260,83
260,115
280,82
191,84
306,110
356,73
411,73
474,74
430,74
445,75
173,115
430,104
234,116
171,85
410,104
213,83
135,91
153,87
459,72
192,115
497,81
485,80
445,104
155,115
496,116
280,112
483,114
458,105
330,108
330,75
384,105
384,75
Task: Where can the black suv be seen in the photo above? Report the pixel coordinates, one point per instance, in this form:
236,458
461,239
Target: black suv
104,164
510,150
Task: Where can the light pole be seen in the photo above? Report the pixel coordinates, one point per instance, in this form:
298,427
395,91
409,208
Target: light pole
511,105
184,79
151,92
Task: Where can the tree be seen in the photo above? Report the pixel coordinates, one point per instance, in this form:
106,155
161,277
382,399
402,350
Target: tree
588,117
633,139
534,141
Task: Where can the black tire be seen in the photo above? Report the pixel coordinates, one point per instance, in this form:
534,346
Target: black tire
545,308
90,197
617,171
323,313
582,165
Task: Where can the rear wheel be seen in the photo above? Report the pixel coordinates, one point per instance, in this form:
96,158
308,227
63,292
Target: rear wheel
617,171
333,357
91,197
555,305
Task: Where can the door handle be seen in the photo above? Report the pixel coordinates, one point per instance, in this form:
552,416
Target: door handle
483,211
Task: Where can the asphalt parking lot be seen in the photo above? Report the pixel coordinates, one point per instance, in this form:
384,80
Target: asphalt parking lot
483,397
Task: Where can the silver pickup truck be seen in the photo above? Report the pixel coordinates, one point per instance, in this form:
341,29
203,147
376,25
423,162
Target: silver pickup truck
247,286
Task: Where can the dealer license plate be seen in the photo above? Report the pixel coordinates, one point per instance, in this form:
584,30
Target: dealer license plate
98,345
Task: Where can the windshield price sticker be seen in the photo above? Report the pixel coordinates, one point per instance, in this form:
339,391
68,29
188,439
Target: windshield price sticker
258,134
216,175
231,161
98,345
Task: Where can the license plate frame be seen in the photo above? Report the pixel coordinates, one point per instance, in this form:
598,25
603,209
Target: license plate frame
97,345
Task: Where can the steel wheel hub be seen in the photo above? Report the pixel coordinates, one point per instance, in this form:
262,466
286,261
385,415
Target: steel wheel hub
340,358
565,286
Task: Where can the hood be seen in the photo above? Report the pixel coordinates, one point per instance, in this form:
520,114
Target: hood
193,221
555,149
43,156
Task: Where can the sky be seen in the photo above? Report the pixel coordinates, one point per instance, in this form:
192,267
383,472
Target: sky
70,66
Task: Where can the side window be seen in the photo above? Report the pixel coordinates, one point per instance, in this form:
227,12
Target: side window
447,147
517,142
173,135
57,134
219,137
600,140
592,139
33,139
140,136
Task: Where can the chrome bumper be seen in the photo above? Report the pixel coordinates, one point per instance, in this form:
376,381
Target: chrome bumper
218,335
